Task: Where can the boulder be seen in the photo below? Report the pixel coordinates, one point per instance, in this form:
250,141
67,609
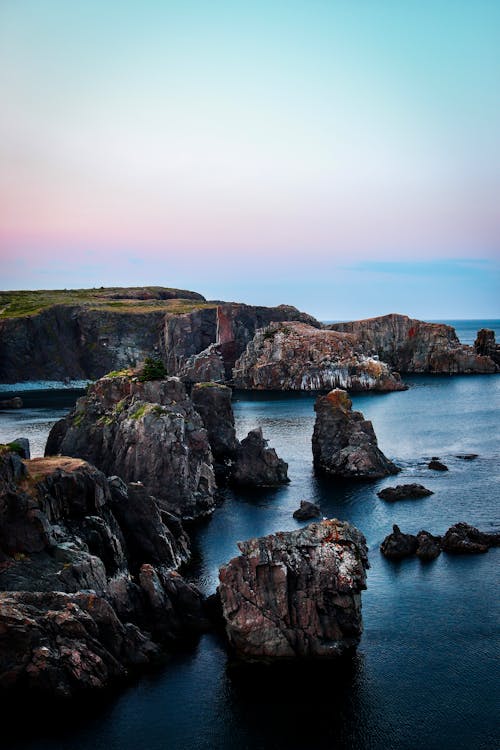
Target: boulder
344,443
486,345
428,546
295,594
463,539
256,465
436,465
296,356
404,491
145,432
397,545
306,511
11,403
409,345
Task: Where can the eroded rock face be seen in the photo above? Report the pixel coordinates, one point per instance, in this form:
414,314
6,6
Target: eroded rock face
459,539
462,538
143,432
344,443
296,594
486,345
409,345
89,577
256,465
213,403
297,356
306,511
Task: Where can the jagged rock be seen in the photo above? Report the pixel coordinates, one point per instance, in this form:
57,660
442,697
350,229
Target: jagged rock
428,546
297,593
344,443
437,465
78,555
257,465
409,345
296,356
463,538
486,345
207,366
403,491
213,403
307,511
11,403
145,432
398,545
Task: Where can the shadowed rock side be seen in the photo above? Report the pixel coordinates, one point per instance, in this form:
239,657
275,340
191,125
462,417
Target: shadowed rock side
459,539
344,443
213,403
296,593
296,356
486,345
409,345
256,465
143,432
88,579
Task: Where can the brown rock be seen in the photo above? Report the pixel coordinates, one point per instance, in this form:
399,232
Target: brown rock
397,545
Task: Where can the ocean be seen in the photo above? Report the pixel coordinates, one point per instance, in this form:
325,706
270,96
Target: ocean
425,674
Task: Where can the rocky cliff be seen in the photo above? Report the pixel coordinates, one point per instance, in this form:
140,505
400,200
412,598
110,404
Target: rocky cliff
295,594
145,432
486,345
344,443
297,356
89,587
409,345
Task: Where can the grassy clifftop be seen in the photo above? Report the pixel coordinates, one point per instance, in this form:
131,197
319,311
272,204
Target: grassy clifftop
118,299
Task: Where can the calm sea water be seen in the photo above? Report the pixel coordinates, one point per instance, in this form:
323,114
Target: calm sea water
425,674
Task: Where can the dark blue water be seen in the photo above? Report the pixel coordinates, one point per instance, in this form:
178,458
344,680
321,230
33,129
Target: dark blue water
425,674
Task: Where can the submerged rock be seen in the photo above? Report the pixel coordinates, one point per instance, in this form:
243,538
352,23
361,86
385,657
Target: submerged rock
257,465
297,356
145,432
296,594
437,465
344,443
398,545
409,345
307,511
403,491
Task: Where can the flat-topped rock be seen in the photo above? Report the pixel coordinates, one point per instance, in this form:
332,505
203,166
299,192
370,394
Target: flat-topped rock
344,442
403,492
296,594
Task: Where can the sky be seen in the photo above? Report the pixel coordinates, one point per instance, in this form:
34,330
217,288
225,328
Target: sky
340,156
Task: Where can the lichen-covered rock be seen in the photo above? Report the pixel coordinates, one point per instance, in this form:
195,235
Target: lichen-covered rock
398,545
409,345
344,443
143,432
297,356
296,593
256,465
404,491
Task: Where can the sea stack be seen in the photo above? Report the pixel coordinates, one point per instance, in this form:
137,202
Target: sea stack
344,443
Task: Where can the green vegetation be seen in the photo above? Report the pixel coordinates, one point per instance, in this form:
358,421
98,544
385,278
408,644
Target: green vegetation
153,369
113,299
13,447
127,372
140,411
78,419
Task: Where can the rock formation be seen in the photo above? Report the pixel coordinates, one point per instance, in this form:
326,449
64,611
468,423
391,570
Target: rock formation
145,432
404,491
256,465
11,403
409,345
296,593
306,511
89,581
436,465
296,356
344,443
459,539
486,346
213,403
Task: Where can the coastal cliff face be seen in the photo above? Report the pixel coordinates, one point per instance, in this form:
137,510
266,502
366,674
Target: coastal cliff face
143,432
296,356
414,346
88,585
295,594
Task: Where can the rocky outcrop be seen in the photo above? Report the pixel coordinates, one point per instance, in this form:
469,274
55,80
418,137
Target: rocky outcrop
88,574
296,356
404,491
486,346
344,442
145,432
205,344
436,465
256,465
413,346
459,539
296,594
213,403
11,403
306,511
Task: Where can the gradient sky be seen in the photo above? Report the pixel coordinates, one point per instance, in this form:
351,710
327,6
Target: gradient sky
340,155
